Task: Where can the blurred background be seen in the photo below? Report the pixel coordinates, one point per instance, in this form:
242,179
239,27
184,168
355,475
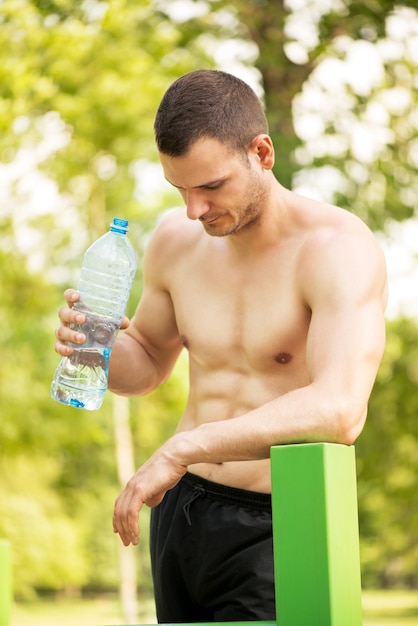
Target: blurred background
80,82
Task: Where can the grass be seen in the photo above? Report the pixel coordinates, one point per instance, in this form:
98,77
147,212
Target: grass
390,608
381,608
102,611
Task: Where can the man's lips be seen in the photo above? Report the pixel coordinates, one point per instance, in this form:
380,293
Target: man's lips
209,219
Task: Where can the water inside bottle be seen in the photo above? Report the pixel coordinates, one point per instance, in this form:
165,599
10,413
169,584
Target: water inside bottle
100,330
81,379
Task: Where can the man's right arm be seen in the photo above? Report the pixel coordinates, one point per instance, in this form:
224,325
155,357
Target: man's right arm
144,355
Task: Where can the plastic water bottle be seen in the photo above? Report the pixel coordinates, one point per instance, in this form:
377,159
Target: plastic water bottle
106,278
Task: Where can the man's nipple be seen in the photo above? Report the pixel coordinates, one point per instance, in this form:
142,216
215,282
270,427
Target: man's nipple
283,358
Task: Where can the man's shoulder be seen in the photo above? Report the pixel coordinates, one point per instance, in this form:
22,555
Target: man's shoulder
172,237
328,226
175,229
175,222
340,249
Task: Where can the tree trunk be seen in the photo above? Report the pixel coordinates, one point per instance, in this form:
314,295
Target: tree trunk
126,468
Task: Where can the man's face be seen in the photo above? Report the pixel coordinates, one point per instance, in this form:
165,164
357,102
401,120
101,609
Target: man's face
220,187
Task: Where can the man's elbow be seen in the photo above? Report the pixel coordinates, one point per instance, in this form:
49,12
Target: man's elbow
348,423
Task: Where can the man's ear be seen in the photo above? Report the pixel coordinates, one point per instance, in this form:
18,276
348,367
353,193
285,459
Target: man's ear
262,147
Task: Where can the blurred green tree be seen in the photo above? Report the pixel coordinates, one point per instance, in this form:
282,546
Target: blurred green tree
387,459
79,85
356,135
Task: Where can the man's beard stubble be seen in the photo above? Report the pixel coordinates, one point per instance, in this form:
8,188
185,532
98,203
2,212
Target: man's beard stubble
250,216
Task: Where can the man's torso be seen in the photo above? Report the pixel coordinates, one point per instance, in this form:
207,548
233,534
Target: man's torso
244,323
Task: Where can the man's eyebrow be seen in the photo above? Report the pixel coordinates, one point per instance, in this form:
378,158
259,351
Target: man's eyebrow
210,183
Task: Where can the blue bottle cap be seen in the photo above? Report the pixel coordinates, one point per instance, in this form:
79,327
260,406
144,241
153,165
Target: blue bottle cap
119,226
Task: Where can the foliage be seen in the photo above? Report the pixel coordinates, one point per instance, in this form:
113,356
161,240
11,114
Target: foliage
79,84
387,454
352,138
79,87
364,128
79,90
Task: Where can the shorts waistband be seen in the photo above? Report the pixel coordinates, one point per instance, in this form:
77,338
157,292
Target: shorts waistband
228,495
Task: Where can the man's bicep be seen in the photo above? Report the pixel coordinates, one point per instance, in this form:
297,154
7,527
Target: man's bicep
346,343
154,327
144,355
344,349
347,295
345,287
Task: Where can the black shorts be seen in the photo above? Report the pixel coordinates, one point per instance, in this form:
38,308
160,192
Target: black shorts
212,554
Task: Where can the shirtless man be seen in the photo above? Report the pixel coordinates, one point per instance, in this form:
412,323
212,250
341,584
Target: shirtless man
279,301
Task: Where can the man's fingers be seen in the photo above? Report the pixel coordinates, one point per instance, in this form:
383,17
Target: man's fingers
62,348
69,316
125,518
66,334
71,296
125,323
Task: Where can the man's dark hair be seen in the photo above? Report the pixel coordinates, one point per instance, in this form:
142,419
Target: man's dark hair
208,103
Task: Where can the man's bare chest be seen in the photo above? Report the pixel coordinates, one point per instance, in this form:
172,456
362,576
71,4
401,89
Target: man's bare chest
252,318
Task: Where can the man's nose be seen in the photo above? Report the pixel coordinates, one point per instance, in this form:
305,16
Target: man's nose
196,204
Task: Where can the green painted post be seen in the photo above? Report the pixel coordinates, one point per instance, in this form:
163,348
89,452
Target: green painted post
315,534
5,583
